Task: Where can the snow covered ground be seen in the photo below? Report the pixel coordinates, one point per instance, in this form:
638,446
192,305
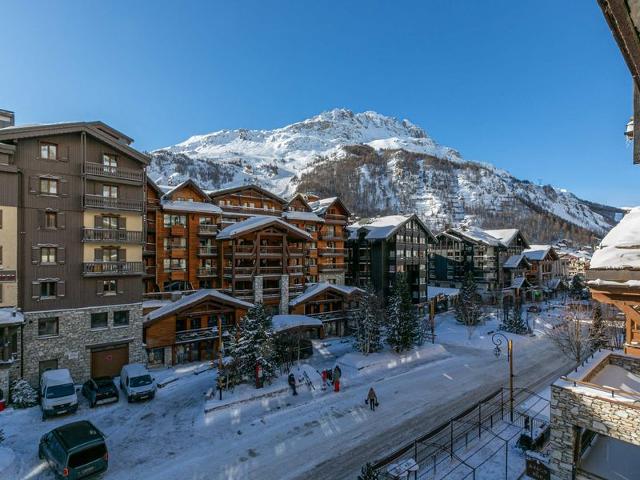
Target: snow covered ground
317,434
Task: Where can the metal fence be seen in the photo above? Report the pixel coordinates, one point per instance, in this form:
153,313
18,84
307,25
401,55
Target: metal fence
484,431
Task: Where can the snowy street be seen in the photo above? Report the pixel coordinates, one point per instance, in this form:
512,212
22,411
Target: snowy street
318,434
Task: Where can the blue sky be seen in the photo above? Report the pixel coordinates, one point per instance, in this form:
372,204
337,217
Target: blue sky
536,87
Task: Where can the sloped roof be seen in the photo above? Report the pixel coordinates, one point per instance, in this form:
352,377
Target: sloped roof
186,206
538,252
620,248
11,316
514,261
192,299
299,196
281,323
259,222
381,228
320,287
518,282
225,191
476,235
303,216
187,183
506,235
321,206
96,129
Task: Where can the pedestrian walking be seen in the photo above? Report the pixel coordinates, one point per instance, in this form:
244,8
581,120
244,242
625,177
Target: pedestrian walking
292,383
324,379
337,373
372,399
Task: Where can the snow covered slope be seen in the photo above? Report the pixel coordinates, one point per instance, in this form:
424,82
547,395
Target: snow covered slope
378,164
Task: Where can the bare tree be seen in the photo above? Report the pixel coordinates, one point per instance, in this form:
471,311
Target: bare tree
573,335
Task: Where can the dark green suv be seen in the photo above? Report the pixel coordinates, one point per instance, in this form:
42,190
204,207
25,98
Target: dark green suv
75,450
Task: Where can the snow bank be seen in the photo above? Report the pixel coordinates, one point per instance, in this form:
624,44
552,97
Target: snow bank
620,248
6,459
353,364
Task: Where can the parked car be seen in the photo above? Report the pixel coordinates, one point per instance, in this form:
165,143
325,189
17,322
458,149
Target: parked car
57,393
75,450
100,390
136,382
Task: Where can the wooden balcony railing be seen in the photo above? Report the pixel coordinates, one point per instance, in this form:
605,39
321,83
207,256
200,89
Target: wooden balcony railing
207,229
113,173
110,235
108,203
331,267
207,251
332,252
178,230
112,268
207,272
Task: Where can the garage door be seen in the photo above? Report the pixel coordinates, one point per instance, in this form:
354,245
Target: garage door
107,362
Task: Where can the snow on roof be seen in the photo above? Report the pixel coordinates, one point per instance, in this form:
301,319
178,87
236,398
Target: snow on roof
258,221
317,288
513,261
537,252
433,292
620,248
286,322
60,376
186,206
320,206
379,228
613,376
136,369
612,283
193,298
505,235
305,216
11,316
554,283
517,282
478,235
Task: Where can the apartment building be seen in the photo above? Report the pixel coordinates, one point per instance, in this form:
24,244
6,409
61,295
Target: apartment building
77,213
381,248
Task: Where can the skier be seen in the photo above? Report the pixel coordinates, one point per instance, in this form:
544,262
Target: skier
292,383
337,373
372,399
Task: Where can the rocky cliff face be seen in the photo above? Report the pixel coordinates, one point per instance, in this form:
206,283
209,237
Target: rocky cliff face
380,165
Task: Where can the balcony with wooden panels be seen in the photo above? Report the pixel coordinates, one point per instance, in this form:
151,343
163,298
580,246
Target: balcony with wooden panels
108,269
239,272
178,231
205,230
149,248
335,218
251,210
332,236
331,267
207,272
177,274
298,252
332,252
109,203
150,270
110,235
113,174
176,251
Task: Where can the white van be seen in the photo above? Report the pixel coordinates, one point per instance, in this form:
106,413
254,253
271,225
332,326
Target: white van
57,393
136,382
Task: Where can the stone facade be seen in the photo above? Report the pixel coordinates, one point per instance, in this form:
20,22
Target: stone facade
72,346
284,294
258,290
574,411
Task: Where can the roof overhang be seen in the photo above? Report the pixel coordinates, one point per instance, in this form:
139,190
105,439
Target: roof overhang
226,191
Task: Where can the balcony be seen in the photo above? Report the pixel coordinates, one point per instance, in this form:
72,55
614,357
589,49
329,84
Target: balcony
178,231
177,251
108,203
207,272
125,175
271,250
241,250
177,274
270,271
196,334
149,248
250,210
150,270
331,267
207,229
332,236
333,218
271,293
108,269
207,251
110,235
332,252
295,269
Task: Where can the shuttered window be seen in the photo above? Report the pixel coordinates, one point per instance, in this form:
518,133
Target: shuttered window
49,186
109,287
48,254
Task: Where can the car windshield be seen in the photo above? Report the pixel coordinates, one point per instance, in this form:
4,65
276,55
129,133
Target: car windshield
57,391
141,381
87,455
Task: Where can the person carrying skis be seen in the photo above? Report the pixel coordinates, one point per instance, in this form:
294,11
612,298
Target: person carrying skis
292,383
372,399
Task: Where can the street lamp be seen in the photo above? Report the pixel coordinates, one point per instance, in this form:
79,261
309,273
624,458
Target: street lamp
497,341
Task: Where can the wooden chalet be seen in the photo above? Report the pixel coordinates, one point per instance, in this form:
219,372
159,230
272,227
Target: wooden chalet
333,304
240,203
262,259
192,328
545,267
331,239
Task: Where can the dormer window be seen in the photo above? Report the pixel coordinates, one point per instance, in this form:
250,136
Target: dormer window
48,151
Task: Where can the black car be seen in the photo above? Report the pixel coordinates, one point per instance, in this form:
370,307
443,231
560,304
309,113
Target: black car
76,450
100,390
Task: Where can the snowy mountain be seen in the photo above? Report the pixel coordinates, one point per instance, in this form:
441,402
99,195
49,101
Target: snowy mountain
379,165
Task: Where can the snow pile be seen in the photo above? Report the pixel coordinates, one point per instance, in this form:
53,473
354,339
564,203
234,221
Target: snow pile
620,249
613,376
6,459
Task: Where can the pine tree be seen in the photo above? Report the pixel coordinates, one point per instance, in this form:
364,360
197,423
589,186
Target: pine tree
577,285
368,473
514,323
597,329
468,311
402,318
369,319
253,343
23,395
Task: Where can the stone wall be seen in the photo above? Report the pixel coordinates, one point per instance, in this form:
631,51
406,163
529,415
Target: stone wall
71,347
284,294
571,410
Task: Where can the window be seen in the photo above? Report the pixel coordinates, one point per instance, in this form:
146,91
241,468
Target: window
110,162
175,264
109,254
171,220
110,191
48,289
49,186
48,151
50,220
109,287
110,222
121,318
48,326
99,320
48,254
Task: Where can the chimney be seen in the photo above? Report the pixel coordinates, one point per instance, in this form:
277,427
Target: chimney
7,118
